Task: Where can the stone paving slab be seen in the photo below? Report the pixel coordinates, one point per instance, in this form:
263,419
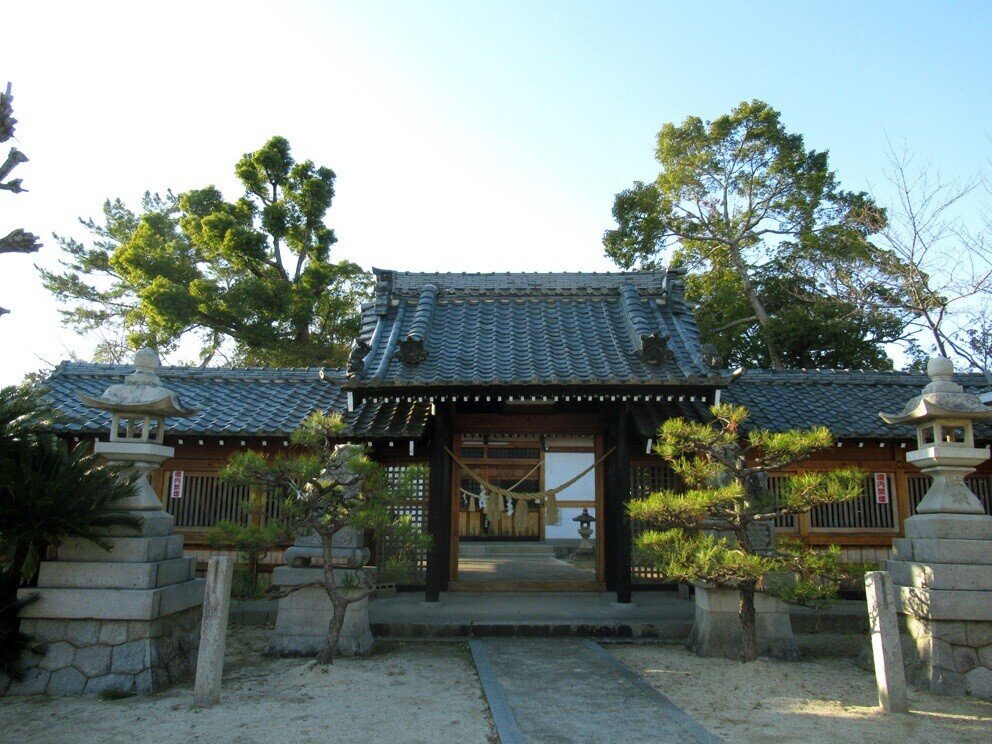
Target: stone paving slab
551,691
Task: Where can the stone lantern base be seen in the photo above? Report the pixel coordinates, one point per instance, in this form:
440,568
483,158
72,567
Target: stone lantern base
127,619
942,572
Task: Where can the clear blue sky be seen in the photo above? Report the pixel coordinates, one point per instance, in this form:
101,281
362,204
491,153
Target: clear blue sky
466,135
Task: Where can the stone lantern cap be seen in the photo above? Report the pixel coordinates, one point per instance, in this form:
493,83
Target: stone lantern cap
941,399
585,516
141,392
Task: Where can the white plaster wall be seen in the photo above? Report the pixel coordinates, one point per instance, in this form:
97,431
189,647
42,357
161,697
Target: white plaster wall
558,468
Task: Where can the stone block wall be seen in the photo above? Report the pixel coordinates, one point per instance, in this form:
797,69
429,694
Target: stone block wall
90,656
948,657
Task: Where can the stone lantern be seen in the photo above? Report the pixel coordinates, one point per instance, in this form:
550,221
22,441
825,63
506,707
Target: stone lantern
944,417
585,520
942,568
124,616
138,409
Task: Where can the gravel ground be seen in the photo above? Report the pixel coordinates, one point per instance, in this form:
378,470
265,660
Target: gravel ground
412,692
823,700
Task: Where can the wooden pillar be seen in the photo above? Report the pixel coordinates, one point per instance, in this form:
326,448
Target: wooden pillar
621,521
439,504
610,500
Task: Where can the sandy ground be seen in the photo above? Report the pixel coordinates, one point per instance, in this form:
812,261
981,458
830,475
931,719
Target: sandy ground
828,700
401,693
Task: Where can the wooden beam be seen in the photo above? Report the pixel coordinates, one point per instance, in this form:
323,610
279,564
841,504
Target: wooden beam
527,423
439,504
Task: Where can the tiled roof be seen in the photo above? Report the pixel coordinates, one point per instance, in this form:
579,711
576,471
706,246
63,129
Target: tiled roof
556,329
273,402
233,402
846,402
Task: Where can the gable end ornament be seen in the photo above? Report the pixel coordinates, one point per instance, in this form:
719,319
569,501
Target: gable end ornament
356,359
412,350
654,348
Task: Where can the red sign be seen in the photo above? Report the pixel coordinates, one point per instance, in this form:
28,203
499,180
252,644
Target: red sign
881,488
176,489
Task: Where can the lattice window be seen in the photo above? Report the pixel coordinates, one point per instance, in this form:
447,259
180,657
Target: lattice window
416,510
980,485
645,480
862,514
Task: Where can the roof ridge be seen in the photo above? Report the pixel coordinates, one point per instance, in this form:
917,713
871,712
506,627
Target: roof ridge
398,272
69,368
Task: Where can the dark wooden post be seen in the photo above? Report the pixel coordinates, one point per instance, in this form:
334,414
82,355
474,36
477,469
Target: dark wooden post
439,504
621,493
610,500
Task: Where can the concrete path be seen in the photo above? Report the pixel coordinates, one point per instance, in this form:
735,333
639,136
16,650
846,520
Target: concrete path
555,691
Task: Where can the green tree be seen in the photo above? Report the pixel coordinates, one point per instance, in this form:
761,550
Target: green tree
742,202
707,533
252,278
326,489
252,539
812,331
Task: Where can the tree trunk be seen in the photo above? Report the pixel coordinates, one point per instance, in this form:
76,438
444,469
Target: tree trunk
326,655
340,605
759,309
749,638
253,571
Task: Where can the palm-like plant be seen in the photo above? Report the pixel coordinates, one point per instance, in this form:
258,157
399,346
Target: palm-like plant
47,492
23,413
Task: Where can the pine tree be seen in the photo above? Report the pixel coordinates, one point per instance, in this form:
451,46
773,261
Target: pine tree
326,488
708,531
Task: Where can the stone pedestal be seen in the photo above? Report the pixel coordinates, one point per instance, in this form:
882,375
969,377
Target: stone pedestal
127,619
942,571
942,568
305,615
717,630
346,550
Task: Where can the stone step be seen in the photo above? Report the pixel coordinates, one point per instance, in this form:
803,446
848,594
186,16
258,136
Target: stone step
123,549
484,549
949,526
108,575
665,633
972,552
111,604
960,576
945,604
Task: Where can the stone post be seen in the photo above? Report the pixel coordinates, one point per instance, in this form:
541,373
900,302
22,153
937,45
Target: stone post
942,568
889,672
127,618
213,632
